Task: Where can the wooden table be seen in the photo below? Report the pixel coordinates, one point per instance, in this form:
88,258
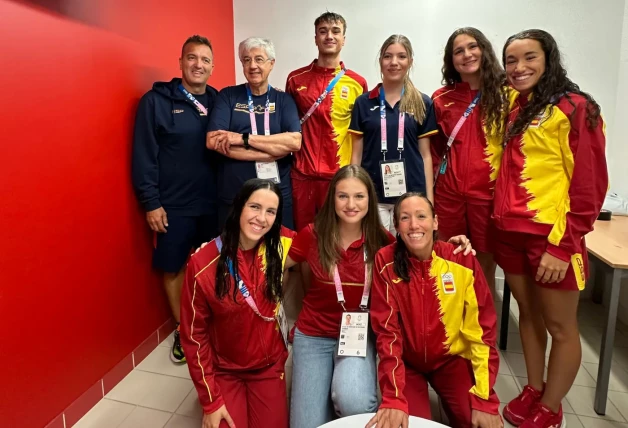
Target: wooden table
608,243
360,421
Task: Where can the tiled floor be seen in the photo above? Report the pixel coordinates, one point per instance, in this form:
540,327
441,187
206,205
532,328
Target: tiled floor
160,394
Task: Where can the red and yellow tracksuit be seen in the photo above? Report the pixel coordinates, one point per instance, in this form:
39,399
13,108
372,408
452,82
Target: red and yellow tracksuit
550,189
235,358
463,196
438,328
326,143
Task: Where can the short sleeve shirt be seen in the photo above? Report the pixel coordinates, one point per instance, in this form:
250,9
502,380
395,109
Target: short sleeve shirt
231,113
366,121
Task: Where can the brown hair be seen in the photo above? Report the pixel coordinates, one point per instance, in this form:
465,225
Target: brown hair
412,100
494,101
331,18
197,40
326,222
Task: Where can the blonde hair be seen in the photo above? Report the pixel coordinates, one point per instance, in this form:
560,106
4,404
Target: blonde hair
412,100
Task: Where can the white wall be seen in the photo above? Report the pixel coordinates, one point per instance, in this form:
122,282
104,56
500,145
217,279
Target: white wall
589,34
619,145
593,37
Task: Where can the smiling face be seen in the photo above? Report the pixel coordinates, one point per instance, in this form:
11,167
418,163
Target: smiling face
329,38
257,66
351,200
467,56
395,63
258,216
416,225
196,64
525,64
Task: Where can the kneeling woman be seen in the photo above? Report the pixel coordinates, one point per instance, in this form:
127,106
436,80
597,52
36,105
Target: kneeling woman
435,323
230,311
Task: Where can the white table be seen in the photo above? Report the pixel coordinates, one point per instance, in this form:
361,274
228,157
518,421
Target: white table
360,421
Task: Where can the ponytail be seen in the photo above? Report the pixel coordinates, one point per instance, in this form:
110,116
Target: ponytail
412,101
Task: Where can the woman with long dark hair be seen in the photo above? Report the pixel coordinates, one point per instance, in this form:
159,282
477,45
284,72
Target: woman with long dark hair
470,112
550,189
391,126
435,323
329,380
231,314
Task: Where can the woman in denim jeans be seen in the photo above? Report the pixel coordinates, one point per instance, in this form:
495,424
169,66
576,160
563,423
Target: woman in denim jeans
344,238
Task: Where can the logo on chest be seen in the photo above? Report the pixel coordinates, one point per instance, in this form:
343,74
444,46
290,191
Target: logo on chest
177,111
344,93
449,286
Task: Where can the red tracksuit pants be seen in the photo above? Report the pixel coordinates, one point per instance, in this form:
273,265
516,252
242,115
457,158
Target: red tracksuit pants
255,399
451,381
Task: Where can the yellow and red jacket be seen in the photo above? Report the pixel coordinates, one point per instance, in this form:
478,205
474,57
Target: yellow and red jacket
553,178
445,311
327,145
223,335
475,156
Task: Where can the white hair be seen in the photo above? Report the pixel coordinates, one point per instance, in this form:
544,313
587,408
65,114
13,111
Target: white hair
256,42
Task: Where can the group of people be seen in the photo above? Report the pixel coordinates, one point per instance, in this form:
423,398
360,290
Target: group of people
383,188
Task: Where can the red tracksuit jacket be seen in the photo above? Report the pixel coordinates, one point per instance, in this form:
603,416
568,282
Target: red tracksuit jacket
424,323
474,158
327,145
553,178
223,335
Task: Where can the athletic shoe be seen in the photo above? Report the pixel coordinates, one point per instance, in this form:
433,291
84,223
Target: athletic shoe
543,417
177,351
520,408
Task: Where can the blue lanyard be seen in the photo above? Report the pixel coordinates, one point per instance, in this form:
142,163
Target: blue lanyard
252,111
200,107
241,286
323,95
384,129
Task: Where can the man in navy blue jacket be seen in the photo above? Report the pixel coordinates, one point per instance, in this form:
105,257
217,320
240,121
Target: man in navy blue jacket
173,172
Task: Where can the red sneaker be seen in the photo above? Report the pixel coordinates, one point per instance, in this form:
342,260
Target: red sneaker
543,417
520,408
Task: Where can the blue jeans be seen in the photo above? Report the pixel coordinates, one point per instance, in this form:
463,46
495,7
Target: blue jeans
325,385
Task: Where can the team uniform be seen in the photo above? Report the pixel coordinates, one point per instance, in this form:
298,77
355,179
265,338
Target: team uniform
438,328
235,357
326,144
231,113
465,185
366,121
169,132
550,190
352,379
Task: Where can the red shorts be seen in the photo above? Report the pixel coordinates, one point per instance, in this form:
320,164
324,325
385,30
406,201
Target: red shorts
459,215
520,254
255,399
308,197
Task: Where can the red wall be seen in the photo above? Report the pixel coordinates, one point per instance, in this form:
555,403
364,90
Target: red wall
76,290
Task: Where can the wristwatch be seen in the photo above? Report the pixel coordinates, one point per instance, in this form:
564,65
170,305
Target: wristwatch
245,138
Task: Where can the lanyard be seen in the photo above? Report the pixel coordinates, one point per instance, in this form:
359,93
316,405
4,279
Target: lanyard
365,293
323,95
462,120
200,107
252,112
382,115
241,286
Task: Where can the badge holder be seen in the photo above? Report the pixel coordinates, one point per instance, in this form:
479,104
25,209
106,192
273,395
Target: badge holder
282,322
268,171
393,177
354,326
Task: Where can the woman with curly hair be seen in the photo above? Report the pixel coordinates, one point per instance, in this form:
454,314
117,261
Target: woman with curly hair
550,189
470,109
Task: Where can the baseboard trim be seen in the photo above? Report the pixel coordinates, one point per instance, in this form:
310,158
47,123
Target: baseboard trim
83,404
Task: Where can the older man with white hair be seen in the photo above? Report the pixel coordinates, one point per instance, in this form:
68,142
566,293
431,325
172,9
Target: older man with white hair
256,129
